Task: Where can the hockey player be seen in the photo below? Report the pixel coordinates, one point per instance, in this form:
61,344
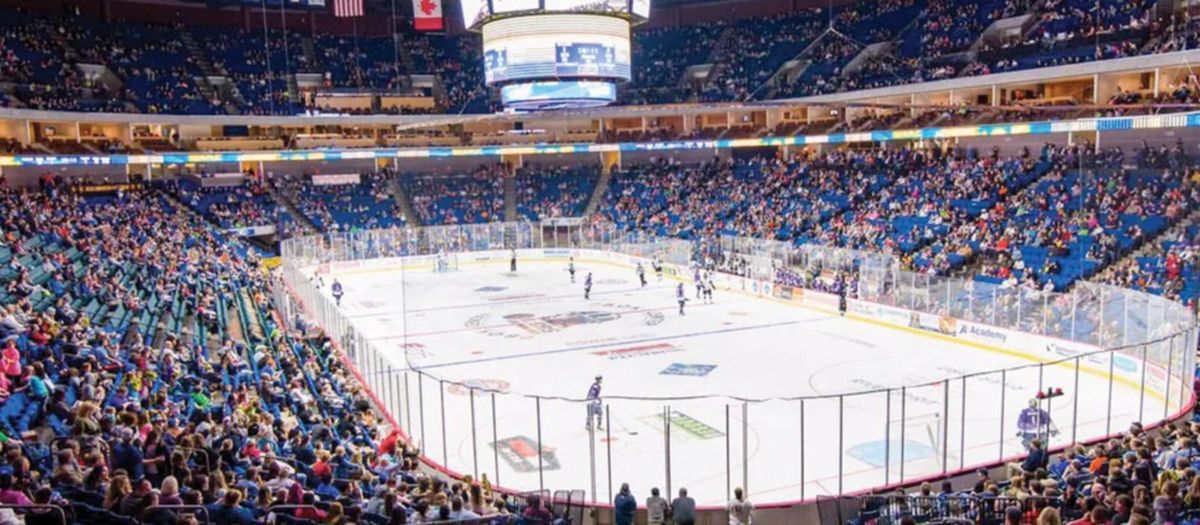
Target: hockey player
658,269
680,296
1034,423
839,287
337,292
708,291
512,263
571,269
699,280
641,274
587,286
595,406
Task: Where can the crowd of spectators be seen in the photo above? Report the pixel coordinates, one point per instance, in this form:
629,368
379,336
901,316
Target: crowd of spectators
662,55
476,197
244,204
544,193
146,366
1171,268
345,205
158,72
1034,219
1138,477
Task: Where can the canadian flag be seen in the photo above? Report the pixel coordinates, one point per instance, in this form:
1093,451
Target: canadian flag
427,15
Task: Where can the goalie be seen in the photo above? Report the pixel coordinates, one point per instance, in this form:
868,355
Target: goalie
1034,423
595,407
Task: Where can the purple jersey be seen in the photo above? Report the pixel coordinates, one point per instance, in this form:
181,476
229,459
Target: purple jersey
1033,420
594,392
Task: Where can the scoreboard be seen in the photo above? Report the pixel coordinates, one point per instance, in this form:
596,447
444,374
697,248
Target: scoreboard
553,46
555,53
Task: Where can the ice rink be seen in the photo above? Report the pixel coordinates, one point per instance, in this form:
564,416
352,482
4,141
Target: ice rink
723,381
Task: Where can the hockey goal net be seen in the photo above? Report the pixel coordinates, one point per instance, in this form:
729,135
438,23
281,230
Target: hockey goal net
445,262
920,440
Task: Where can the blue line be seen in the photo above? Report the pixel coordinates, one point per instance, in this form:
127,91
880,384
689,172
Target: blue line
631,342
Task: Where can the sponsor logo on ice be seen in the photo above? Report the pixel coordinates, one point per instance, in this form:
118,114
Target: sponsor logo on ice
685,369
639,351
688,425
521,453
480,385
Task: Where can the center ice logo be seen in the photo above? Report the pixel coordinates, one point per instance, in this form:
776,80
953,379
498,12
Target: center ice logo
553,323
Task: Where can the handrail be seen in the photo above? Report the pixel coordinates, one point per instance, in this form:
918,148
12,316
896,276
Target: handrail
208,466
62,513
200,508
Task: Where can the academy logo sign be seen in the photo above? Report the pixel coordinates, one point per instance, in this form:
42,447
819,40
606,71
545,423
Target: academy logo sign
982,333
521,453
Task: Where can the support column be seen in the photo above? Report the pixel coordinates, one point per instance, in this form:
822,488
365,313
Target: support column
513,161
610,160
127,134
246,165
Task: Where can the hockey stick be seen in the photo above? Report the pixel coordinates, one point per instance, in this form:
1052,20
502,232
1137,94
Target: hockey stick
621,424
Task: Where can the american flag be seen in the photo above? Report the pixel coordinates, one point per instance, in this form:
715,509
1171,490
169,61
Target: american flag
344,8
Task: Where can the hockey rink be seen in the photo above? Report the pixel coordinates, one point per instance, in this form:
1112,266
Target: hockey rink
722,381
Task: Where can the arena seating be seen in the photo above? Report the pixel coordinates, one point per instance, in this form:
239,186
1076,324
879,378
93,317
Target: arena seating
457,199
247,204
135,330
664,54
543,194
175,384
926,41
145,360
342,207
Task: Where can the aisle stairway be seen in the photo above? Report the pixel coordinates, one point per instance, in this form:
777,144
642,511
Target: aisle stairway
306,223
233,325
1151,246
402,200
598,193
510,198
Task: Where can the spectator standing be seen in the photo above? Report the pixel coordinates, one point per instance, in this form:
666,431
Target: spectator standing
656,508
741,511
624,506
683,509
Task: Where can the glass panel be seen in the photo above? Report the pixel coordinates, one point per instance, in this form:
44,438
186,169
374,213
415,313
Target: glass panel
945,426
